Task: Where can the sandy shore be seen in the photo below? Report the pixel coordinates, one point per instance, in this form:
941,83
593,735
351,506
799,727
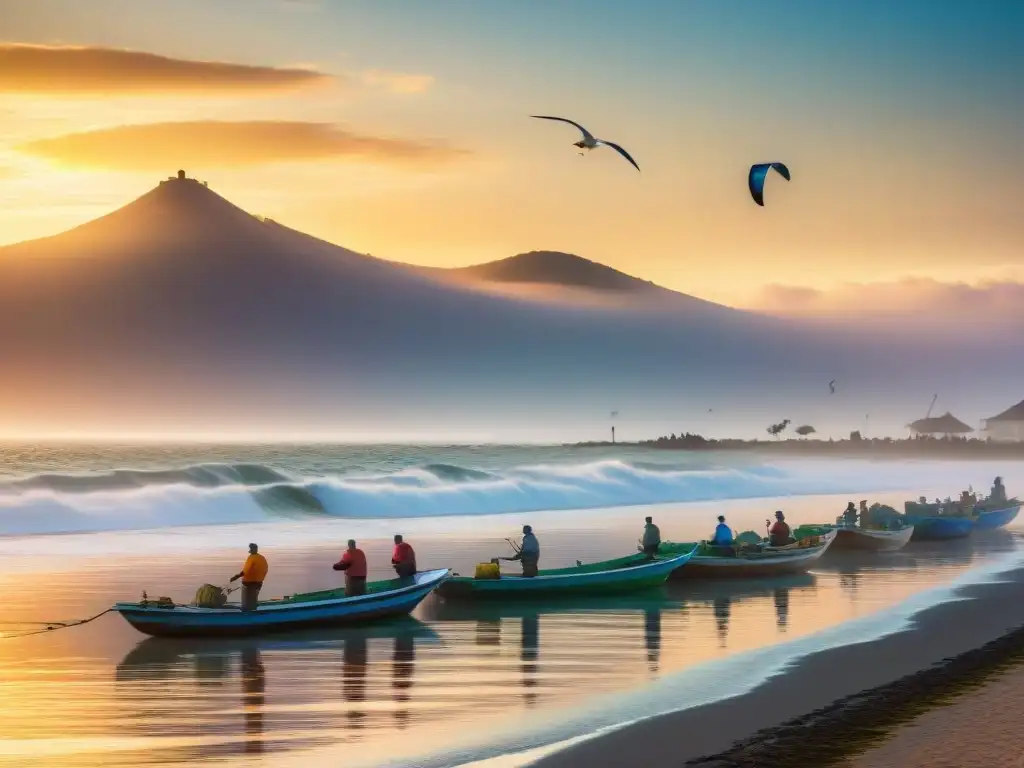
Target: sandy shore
816,696
982,725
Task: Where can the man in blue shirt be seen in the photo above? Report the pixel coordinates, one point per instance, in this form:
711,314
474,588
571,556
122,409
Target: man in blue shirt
723,534
529,552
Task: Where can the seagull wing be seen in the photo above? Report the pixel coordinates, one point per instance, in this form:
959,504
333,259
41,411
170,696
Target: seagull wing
621,151
586,134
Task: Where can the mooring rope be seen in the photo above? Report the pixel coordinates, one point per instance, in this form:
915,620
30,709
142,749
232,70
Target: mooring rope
49,626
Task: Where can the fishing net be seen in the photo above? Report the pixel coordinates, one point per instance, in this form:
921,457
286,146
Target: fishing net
209,596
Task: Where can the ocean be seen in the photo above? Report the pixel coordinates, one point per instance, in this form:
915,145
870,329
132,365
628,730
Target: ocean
86,489
84,526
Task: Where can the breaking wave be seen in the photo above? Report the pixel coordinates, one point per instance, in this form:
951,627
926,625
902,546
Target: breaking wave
217,494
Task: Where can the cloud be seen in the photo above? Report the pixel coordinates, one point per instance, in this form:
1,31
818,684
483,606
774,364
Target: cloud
914,298
208,144
95,70
398,82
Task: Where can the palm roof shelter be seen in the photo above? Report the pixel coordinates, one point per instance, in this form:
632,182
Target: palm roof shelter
946,424
1008,425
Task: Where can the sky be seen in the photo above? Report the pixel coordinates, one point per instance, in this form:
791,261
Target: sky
402,129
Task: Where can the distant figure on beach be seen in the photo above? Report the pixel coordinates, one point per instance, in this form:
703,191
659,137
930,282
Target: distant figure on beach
403,558
353,563
529,552
998,494
850,515
779,535
652,537
723,534
253,572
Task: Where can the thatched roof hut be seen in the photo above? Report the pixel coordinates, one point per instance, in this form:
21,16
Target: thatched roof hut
946,424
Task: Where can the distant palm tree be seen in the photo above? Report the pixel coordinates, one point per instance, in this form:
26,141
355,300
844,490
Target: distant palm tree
777,429
805,430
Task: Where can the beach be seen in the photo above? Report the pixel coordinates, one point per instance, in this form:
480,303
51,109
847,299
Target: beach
460,684
734,732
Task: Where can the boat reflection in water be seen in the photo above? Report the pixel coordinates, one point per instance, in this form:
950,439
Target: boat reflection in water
722,596
175,689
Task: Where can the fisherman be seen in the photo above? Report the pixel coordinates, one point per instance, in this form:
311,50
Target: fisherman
353,563
252,575
998,494
403,558
651,539
723,534
849,515
529,552
865,514
779,535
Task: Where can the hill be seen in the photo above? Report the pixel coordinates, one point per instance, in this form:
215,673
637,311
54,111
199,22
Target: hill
180,311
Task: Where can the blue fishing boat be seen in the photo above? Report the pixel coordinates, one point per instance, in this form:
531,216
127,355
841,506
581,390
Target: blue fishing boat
632,572
991,519
940,528
329,608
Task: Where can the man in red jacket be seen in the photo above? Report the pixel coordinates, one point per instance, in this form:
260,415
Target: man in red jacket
403,558
353,563
779,534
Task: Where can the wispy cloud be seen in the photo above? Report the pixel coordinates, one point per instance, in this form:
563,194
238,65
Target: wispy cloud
157,146
95,70
398,82
908,297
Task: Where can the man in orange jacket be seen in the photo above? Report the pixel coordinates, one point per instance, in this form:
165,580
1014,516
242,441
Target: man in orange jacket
353,563
252,575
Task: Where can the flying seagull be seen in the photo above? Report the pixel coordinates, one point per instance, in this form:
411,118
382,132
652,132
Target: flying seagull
589,142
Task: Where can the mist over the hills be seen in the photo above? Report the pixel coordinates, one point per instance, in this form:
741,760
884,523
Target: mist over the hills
180,313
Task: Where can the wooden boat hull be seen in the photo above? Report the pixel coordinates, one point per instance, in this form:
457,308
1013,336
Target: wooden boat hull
282,615
941,528
996,518
868,539
773,563
625,574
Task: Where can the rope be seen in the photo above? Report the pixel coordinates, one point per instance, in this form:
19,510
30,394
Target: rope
50,626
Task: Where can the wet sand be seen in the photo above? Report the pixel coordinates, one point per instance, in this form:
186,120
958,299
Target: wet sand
735,732
449,678
983,728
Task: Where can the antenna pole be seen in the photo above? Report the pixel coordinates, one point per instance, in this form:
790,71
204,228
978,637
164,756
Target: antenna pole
934,398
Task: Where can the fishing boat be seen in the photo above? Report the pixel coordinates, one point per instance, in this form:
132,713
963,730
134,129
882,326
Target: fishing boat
329,608
940,527
855,537
714,562
632,572
992,519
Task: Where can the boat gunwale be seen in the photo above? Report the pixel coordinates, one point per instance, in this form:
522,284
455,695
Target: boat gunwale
431,580
589,575
773,556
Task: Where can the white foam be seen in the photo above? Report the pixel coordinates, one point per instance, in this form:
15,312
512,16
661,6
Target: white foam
418,493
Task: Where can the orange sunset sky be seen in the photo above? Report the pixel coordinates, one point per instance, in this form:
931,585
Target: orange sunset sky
401,129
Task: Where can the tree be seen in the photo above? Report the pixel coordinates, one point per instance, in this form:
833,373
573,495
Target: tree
855,436
805,430
777,429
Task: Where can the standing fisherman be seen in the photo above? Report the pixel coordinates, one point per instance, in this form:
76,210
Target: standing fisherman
252,575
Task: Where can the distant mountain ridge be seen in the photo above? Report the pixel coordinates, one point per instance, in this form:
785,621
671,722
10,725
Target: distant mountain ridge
556,268
182,310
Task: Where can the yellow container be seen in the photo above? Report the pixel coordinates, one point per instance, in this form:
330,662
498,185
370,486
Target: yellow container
488,571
